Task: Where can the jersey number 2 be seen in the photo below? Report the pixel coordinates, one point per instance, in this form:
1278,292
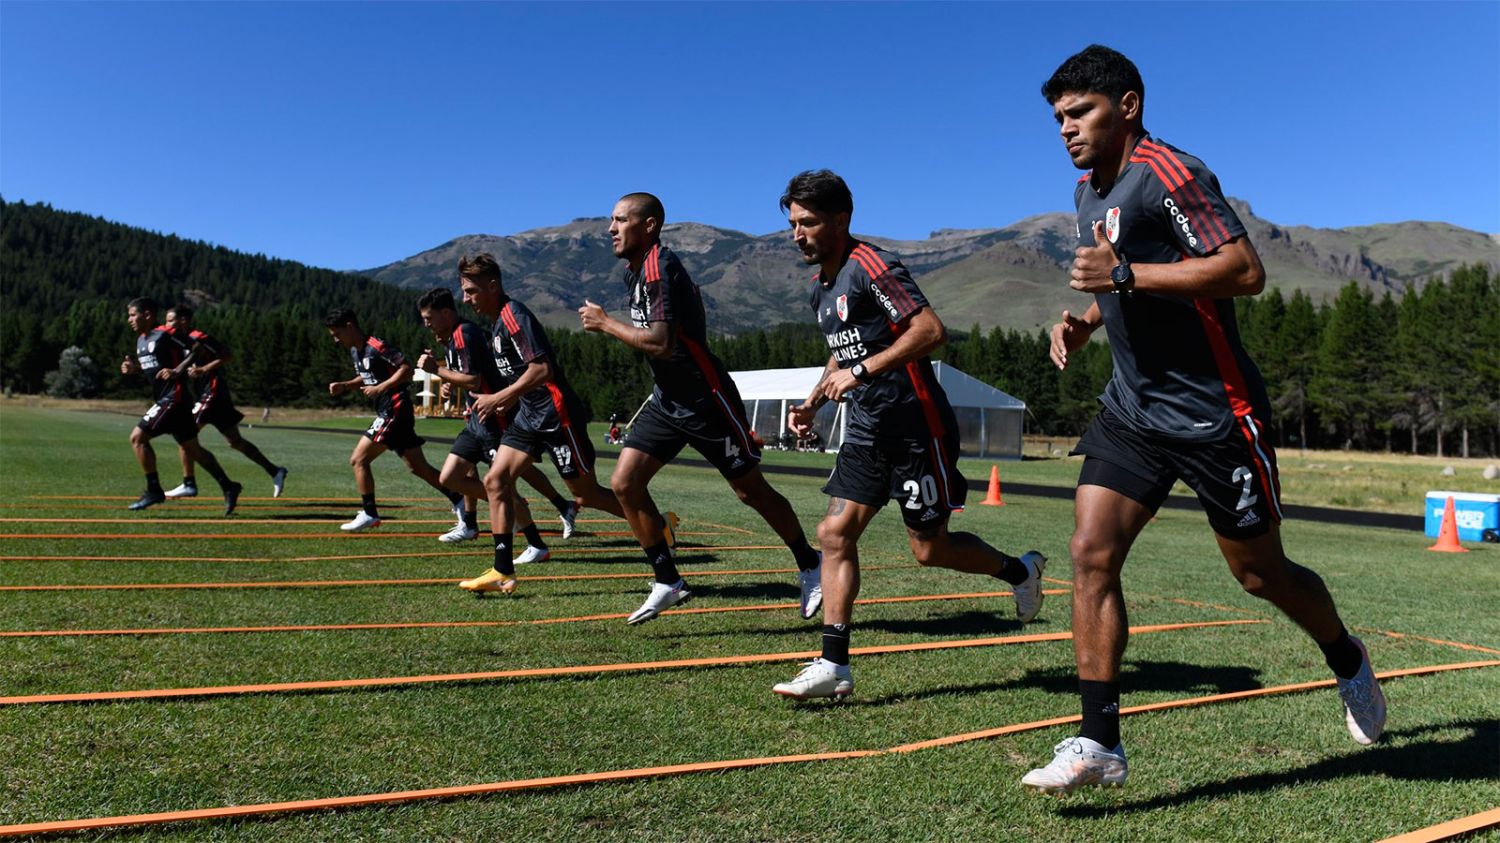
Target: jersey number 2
1247,500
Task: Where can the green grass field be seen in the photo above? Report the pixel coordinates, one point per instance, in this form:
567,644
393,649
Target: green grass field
1277,767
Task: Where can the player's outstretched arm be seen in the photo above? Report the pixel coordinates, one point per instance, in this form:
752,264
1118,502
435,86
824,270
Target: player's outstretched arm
656,339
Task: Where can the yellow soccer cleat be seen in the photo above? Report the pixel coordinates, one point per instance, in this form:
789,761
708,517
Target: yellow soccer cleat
669,531
491,580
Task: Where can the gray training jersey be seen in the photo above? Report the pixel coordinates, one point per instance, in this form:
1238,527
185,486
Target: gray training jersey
1180,371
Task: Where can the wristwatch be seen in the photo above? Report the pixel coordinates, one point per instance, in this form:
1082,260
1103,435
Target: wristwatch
860,373
1122,276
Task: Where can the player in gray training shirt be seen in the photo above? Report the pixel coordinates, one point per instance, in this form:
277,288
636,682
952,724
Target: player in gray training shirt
1164,256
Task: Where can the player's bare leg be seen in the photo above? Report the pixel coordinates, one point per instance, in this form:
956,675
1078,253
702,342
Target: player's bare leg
630,485
936,546
418,464
838,535
140,444
567,509
776,510
360,460
202,456
1261,566
499,488
586,488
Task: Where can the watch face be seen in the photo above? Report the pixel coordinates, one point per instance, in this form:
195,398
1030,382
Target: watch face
1120,274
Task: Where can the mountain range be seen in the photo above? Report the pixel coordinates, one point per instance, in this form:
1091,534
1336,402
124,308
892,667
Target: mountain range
1011,277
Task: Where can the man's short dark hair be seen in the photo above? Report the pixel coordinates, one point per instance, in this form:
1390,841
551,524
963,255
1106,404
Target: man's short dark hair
438,298
183,311
144,304
480,267
820,190
1096,70
649,206
338,317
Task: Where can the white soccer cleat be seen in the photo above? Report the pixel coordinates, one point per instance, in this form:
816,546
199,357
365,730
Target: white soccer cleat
182,490
459,511
569,519
362,521
459,533
1029,593
532,555
811,583
1364,702
661,598
1079,762
819,678
278,482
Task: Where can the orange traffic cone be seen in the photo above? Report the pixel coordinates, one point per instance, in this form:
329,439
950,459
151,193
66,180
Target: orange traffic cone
992,498
1448,534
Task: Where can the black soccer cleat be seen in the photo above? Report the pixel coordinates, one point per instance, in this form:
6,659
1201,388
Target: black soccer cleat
232,497
150,497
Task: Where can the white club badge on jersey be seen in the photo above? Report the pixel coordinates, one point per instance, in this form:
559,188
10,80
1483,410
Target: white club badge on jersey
842,304
1112,224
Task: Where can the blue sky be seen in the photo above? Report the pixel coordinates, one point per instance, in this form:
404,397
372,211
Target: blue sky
354,134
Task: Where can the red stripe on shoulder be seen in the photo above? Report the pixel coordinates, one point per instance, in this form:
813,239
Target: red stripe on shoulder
510,319
1162,169
873,256
653,264
1085,177
1171,159
376,343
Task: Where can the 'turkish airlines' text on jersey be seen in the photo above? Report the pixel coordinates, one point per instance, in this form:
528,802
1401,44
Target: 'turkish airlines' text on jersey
862,311
1180,370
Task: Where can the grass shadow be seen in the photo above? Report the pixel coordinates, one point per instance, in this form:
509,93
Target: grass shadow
1405,755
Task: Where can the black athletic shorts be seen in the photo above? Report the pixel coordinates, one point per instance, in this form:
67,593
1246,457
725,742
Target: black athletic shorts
398,432
477,444
723,439
570,448
922,475
169,415
215,407
1235,477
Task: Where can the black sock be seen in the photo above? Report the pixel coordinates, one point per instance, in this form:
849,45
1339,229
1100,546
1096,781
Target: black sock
1101,712
1013,572
807,558
661,564
248,449
453,497
211,465
503,561
561,503
189,480
836,643
471,519
153,483
533,536
368,502
1343,658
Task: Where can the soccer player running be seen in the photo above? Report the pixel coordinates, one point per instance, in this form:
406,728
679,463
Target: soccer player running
163,358
470,366
381,372
548,415
1165,255
901,441
694,402
214,405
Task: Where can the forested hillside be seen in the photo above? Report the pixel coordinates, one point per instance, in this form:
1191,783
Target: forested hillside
1419,370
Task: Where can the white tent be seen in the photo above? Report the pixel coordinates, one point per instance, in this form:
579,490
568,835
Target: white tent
989,421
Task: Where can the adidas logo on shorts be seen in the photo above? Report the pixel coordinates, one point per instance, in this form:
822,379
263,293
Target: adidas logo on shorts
1250,520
